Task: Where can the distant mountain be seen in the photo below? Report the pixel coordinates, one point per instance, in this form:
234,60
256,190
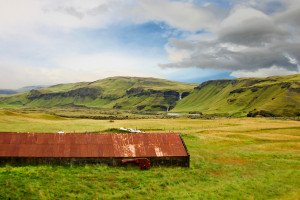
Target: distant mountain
272,96
28,88
23,89
7,92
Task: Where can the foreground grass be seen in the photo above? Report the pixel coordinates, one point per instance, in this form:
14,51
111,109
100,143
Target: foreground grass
230,159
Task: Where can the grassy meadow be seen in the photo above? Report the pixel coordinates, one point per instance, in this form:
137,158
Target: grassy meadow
231,158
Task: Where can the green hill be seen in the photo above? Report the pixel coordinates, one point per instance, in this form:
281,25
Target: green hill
272,96
130,93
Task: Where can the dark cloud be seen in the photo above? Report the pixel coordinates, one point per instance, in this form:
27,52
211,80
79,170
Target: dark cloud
293,50
253,32
213,55
254,59
253,43
291,17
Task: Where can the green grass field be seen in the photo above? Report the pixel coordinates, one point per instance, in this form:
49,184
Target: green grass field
242,158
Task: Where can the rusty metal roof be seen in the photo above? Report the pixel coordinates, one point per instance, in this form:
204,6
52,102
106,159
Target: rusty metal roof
91,145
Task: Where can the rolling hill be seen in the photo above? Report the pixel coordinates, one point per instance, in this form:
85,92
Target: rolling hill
116,92
272,96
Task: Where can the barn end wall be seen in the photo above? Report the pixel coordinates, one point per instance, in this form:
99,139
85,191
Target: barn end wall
182,161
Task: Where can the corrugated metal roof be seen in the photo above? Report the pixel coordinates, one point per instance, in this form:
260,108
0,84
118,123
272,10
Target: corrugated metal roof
91,145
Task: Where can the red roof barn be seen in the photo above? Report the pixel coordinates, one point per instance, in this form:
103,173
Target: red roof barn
92,148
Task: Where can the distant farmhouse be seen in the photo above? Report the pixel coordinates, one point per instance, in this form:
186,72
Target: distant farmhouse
161,149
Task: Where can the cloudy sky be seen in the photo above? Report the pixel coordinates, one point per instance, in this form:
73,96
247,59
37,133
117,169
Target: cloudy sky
44,42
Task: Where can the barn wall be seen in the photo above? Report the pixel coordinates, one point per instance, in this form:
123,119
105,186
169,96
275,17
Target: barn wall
155,161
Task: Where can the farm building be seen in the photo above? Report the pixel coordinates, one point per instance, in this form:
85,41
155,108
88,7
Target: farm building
92,148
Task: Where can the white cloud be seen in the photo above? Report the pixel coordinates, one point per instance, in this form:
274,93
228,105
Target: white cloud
183,15
240,14
176,55
98,61
18,17
78,68
109,64
39,43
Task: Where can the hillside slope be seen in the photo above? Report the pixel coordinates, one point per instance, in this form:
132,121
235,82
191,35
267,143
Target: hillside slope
130,93
272,96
